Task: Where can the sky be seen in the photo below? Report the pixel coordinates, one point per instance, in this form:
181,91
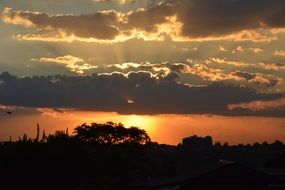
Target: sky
172,67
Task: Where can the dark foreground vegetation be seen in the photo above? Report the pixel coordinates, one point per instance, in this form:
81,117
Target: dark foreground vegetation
111,157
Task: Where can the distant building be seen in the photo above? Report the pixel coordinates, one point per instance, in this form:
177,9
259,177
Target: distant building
197,144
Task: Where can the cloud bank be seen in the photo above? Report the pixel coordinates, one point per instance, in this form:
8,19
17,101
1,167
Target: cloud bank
179,20
134,93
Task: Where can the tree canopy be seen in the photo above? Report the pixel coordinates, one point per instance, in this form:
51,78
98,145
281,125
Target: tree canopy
110,133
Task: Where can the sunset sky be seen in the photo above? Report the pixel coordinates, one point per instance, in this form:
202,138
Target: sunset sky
172,67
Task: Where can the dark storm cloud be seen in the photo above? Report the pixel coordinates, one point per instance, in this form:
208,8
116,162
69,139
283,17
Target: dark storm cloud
147,19
219,17
206,17
135,93
202,18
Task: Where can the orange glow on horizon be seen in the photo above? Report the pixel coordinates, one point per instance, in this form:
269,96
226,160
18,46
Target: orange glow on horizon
166,129
146,123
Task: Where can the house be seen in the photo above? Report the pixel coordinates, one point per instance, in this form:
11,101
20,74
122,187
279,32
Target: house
224,176
231,176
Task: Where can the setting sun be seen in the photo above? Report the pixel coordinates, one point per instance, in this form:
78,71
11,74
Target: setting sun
143,122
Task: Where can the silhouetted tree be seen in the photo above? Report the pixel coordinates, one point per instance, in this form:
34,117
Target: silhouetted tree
58,137
277,144
218,144
226,145
110,134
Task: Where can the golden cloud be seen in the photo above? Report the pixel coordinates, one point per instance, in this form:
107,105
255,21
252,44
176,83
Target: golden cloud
157,23
74,64
260,105
280,53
